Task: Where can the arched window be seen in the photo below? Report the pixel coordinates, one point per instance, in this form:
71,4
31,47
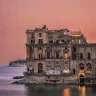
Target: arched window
89,55
89,68
81,55
40,52
81,66
40,34
40,68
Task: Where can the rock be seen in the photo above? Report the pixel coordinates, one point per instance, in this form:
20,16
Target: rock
18,77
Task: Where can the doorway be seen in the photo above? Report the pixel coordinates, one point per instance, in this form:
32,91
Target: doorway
81,79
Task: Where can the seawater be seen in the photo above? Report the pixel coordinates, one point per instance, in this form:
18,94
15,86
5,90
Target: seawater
8,89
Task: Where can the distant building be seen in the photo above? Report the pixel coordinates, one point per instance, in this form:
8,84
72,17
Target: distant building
59,52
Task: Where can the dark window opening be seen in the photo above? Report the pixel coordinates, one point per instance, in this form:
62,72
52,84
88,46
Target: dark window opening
40,34
89,56
66,48
30,52
40,41
89,66
40,68
57,54
32,36
74,49
74,56
73,71
57,42
32,41
81,55
48,77
48,54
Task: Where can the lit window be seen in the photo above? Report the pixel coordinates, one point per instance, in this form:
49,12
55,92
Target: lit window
89,67
81,66
66,55
89,71
40,55
79,41
72,41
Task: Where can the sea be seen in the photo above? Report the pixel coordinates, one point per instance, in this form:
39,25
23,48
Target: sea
8,89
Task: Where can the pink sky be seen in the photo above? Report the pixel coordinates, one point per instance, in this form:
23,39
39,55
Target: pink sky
18,15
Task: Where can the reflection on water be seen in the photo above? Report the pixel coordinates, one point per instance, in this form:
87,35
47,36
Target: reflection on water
66,92
82,90
60,90
8,89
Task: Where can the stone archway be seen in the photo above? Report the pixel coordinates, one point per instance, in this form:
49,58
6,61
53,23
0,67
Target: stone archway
81,78
40,68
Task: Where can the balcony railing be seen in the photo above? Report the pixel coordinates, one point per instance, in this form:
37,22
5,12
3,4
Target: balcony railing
43,58
43,44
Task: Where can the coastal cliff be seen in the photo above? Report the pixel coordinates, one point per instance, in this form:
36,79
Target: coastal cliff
17,63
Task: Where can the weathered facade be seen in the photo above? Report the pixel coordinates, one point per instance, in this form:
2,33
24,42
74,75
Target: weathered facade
59,52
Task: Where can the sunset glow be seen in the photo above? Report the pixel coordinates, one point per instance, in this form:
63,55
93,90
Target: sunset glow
16,16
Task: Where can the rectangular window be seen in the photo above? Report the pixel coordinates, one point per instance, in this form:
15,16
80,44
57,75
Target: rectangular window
81,55
32,36
48,54
57,54
40,41
89,56
32,41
